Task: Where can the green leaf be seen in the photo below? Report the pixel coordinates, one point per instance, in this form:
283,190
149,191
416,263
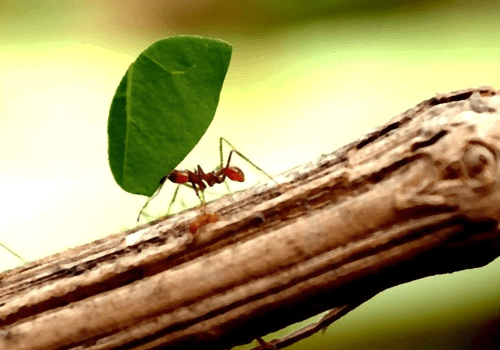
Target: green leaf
162,107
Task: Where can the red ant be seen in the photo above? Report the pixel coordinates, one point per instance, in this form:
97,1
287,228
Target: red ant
202,220
198,178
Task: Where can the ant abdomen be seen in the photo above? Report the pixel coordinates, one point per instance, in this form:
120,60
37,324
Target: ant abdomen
234,174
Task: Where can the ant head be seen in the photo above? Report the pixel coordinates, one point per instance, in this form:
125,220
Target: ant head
177,176
234,173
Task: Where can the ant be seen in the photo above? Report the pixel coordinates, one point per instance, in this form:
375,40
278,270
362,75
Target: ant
196,180
202,220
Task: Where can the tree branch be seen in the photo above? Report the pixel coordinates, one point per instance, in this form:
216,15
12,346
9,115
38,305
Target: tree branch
416,197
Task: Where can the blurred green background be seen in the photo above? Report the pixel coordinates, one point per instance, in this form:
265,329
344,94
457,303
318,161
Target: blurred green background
298,73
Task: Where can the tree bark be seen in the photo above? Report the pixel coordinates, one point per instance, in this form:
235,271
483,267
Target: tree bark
416,197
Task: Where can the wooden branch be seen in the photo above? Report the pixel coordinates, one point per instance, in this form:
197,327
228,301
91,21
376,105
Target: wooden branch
416,197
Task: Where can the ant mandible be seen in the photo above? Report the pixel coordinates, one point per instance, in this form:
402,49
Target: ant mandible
197,179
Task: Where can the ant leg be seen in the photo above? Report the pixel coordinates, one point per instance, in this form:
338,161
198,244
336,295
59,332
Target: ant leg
182,202
184,206
173,199
220,150
147,216
149,200
242,156
227,165
199,192
227,187
202,197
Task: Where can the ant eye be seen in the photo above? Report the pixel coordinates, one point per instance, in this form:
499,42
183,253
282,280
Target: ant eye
162,180
235,174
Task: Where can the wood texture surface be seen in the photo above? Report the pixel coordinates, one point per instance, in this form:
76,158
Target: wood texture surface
416,197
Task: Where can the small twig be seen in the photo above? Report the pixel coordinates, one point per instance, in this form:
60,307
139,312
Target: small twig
305,332
13,253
